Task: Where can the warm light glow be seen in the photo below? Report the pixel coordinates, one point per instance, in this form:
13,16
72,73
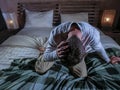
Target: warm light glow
11,21
107,19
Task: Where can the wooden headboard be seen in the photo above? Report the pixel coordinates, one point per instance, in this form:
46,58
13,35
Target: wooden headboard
91,7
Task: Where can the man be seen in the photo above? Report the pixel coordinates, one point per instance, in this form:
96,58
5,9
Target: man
88,35
57,47
73,59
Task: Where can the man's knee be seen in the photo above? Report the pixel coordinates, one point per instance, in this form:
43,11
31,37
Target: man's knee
41,66
79,70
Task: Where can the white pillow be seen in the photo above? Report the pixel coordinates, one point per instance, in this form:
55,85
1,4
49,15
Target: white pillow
77,17
39,19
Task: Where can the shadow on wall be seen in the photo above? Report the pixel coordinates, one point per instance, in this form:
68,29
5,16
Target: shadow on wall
118,25
2,22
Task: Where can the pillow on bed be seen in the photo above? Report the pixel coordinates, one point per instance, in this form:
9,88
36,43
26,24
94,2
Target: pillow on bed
39,19
77,17
25,41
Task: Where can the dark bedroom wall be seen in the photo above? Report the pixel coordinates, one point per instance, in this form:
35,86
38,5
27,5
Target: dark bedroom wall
11,5
8,5
113,4
2,22
110,4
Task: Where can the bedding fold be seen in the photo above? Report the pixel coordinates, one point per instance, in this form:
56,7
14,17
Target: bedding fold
25,41
20,46
108,42
101,76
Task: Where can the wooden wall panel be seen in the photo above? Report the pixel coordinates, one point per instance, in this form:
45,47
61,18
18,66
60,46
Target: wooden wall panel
11,5
92,8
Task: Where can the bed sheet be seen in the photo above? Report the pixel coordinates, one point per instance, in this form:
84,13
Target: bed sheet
108,42
24,46
19,46
19,52
9,53
36,32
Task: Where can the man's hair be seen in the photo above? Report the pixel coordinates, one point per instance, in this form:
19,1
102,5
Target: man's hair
76,51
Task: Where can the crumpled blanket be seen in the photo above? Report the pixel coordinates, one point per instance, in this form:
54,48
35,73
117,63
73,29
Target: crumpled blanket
101,76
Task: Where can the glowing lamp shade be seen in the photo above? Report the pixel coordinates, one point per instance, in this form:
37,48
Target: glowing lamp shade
11,20
108,18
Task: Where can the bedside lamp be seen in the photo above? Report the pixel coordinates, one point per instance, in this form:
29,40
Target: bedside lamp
108,18
11,20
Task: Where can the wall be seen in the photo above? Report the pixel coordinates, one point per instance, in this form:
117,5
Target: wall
8,5
2,22
11,5
110,4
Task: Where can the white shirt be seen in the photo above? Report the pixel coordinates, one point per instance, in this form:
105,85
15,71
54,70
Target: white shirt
90,39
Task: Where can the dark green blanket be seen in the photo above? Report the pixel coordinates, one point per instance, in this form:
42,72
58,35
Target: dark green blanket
22,76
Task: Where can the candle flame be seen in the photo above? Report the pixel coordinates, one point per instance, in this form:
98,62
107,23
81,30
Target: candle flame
107,19
11,21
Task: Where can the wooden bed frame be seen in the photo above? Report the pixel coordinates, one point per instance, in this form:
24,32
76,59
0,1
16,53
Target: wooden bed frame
91,7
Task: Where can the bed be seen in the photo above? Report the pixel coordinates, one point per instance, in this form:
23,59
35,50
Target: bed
20,52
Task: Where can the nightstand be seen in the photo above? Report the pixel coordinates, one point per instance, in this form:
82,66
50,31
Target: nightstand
115,34
7,33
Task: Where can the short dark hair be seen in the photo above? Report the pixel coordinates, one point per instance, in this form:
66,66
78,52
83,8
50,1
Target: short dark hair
76,51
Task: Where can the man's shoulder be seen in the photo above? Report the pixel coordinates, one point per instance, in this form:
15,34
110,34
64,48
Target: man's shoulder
62,27
84,23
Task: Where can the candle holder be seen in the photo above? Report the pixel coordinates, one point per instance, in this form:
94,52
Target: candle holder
108,18
11,20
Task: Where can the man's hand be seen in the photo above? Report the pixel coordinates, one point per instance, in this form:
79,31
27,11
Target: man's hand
62,49
114,59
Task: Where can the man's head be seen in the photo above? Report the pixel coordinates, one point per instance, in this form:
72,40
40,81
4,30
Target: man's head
76,51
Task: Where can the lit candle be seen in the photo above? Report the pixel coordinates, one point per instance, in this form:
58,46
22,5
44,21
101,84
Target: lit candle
11,21
107,19
11,24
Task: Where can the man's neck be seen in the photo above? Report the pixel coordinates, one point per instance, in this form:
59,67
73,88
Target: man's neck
75,32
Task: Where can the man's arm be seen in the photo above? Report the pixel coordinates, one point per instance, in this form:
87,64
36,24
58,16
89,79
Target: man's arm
101,52
97,45
54,50
60,51
50,51
50,54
